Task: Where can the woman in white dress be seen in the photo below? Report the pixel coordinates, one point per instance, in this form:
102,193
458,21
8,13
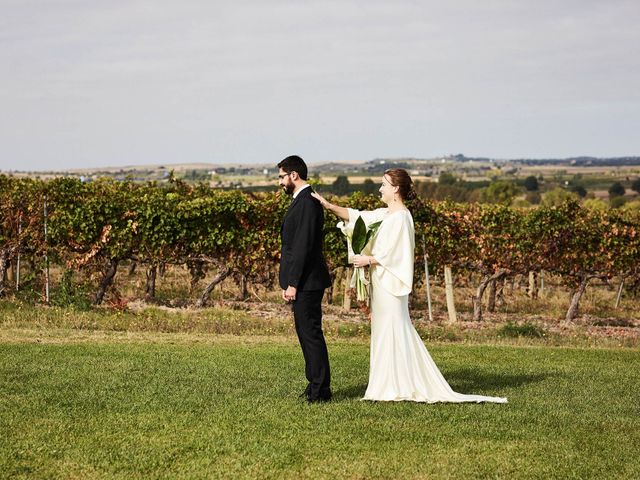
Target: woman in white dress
401,367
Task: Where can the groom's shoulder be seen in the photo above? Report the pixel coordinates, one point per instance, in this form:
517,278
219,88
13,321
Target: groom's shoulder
305,196
312,200
308,204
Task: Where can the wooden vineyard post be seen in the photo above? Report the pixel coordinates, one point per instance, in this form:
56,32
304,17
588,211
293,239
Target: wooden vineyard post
448,284
346,300
18,260
532,291
46,256
426,274
619,293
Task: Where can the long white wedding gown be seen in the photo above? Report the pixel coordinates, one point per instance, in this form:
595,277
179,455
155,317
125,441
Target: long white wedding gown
401,367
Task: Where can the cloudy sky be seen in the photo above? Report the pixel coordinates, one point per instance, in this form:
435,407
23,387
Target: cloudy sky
105,83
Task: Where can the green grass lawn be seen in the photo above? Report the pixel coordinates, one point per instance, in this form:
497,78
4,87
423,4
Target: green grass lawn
191,406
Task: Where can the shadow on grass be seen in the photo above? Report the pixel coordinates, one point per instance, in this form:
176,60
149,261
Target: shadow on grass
349,393
467,380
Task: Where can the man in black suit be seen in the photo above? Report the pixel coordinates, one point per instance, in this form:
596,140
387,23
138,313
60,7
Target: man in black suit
304,274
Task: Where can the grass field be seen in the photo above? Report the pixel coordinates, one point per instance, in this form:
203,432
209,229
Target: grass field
97,404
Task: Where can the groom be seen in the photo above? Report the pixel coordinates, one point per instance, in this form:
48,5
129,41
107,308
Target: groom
304,274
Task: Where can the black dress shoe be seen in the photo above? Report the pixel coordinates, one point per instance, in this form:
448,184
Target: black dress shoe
306,392
319,399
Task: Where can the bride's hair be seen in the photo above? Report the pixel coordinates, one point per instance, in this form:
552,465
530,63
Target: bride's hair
401,179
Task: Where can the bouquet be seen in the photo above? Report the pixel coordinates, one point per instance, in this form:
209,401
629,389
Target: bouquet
358,239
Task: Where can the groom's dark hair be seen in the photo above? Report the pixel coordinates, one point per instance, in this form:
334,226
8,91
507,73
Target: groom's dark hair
294,163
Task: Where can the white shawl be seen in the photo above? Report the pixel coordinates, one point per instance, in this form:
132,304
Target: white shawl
392,247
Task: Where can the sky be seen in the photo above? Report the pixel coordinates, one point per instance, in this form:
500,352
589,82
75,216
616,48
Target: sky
88,83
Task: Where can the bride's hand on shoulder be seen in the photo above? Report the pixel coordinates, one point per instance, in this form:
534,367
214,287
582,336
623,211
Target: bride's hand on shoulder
321,199
338,211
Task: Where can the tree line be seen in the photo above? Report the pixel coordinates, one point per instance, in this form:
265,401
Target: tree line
503,191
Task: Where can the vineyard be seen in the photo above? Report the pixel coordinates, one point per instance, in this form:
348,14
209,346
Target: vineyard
94,230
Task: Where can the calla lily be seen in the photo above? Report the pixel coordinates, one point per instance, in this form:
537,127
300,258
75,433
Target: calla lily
358,238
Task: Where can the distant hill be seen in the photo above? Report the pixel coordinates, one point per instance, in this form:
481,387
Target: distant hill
429,166
582,161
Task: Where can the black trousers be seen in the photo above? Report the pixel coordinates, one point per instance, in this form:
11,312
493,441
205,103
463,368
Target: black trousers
307,313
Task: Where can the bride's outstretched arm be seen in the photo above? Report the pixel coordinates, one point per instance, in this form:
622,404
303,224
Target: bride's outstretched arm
339,212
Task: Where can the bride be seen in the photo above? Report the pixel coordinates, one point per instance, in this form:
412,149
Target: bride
401,367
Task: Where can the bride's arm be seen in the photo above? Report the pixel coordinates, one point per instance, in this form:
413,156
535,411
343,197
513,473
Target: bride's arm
339,212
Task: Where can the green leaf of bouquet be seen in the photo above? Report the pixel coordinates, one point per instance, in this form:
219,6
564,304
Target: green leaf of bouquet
373,228
359,238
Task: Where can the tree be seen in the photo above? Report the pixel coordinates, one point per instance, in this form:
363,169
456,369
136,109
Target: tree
635,186
369,187
531,183
341,185
446,178
616,190
557,197
499,192
578,190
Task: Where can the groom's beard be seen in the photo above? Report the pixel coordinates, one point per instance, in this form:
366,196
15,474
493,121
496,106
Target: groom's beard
289,188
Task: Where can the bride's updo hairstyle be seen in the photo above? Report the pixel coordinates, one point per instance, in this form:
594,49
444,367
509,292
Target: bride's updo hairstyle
401,179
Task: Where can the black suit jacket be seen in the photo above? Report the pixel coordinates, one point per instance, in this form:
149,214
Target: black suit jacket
302,264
